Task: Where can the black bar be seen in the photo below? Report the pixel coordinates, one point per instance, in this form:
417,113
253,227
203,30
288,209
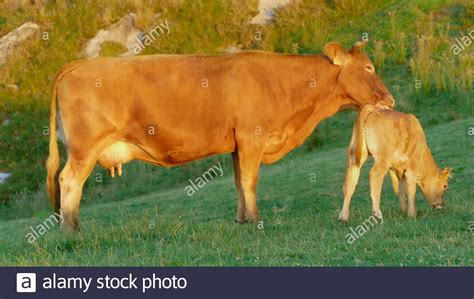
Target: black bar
250,282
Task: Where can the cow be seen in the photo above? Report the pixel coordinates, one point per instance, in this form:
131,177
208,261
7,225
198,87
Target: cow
397,143
172,109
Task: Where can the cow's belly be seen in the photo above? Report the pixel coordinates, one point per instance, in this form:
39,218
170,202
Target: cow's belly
162,151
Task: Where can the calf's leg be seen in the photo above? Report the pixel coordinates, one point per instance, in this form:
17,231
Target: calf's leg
377,173
402,194
352,177
411,191
400,188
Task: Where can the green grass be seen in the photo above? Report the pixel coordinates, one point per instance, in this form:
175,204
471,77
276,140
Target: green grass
168,228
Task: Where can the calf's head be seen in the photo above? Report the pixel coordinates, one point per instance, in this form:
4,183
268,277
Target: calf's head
434,187
357,81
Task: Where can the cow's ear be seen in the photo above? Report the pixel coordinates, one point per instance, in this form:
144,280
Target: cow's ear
357,47
336,53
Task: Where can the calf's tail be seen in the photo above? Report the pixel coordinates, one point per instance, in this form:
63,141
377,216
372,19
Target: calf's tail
361,132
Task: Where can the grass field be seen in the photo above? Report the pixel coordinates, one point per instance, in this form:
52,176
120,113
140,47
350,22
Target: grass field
300,221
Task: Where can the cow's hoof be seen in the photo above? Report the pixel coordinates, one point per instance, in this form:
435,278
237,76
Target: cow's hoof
239,221
252,219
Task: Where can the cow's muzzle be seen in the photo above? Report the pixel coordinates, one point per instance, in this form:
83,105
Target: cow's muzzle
388,101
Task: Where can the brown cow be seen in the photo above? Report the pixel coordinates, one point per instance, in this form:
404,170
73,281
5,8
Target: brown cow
256,105
397,143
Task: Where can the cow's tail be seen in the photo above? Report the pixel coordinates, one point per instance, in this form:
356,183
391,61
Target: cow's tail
360,142
53,161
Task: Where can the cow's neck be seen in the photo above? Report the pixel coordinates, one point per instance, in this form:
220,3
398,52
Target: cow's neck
314,97
321,95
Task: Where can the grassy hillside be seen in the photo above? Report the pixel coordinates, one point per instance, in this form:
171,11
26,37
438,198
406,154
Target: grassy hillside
410,44
300,221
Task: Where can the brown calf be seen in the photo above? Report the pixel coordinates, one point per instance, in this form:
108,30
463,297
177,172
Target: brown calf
397,143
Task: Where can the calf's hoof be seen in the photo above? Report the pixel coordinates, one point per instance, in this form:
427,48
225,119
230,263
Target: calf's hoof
412,214
404,209
377,214
343,216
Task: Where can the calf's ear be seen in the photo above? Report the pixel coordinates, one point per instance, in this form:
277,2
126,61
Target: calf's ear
447,172
336,53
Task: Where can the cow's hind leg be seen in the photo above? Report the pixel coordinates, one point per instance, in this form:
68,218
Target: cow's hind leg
240,217
71,181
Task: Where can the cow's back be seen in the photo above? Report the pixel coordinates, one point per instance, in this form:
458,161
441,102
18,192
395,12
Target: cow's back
193,104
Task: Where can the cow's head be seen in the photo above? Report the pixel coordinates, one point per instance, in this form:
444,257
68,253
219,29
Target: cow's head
357,81
435,186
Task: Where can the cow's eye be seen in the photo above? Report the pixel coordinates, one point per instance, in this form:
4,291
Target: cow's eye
369,68
445,187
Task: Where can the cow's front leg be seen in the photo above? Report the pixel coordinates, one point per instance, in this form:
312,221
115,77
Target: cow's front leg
250,157
377,173
240,217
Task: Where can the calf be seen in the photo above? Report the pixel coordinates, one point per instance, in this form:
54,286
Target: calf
397,143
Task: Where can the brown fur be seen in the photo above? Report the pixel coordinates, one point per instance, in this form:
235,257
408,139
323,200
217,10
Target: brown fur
397,143
256,105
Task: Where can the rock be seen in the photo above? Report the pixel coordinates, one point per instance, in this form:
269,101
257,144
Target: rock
6,122
123,32
3,177
12,87
13,39
266,10
231,49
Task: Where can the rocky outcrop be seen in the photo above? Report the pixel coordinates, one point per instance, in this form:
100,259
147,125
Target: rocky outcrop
13,39
266,10
123,32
